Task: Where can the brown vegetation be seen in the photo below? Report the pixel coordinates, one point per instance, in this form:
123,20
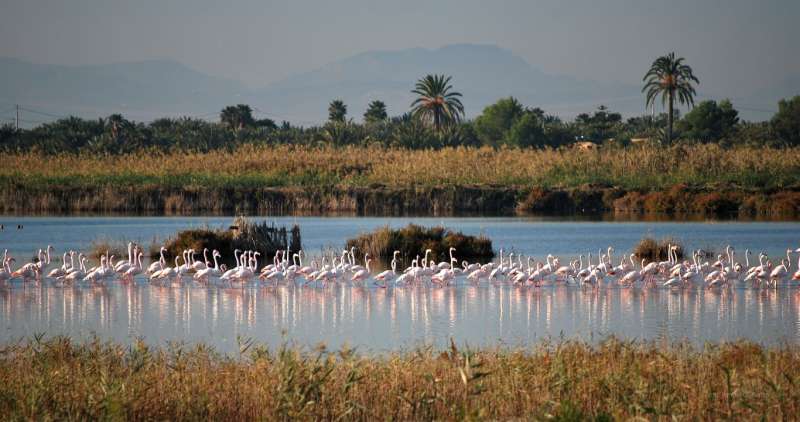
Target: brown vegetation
412,239
373,180
654,251
242,235
60,380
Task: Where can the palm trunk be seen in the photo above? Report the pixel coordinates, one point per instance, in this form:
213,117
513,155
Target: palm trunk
669,119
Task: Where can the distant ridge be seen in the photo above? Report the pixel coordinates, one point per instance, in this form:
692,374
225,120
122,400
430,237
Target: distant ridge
150,89
483,73
142,90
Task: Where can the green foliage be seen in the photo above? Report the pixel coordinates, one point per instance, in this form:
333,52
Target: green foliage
709,121
437,104
376,112
343,133
237,117
497,119
755,134
508,122
671,79
505,123
786,123
599,126
527,131
337,111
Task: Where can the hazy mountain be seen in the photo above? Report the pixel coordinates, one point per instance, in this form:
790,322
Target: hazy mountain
483,73
141,90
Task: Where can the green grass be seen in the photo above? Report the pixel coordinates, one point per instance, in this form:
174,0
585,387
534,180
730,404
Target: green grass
49,379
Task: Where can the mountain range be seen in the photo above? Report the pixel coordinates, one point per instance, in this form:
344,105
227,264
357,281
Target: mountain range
149,89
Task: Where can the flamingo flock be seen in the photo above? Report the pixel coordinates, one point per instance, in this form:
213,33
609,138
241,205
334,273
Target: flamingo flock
588,271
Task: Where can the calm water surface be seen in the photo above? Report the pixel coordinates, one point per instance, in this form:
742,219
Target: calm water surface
388,319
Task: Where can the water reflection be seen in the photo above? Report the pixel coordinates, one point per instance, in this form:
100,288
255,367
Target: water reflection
384,319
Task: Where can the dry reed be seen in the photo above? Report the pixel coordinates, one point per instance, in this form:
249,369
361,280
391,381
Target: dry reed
708,166
59,379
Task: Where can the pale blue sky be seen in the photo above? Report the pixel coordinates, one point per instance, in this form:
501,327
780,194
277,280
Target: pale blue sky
735,46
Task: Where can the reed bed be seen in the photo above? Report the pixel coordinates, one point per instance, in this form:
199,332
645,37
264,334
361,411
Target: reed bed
244,234
657,250
645,168
58,379
413,239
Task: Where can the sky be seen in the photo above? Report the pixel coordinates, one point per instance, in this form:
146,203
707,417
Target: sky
736,47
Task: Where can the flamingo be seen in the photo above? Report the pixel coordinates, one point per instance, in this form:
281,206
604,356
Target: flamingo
123,265
136,269
158,265
197,265
388,275
165,273
78,273
633,277
5,272
362,275
204,274
60,271
781,271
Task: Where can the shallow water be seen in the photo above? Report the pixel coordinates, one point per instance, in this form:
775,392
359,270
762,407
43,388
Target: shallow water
535,237
376,319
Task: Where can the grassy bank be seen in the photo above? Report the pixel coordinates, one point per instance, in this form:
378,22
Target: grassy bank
701,178
57,379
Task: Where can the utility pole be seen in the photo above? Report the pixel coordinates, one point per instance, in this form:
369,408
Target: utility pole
17,120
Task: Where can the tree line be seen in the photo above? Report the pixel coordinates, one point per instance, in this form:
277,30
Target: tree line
435,120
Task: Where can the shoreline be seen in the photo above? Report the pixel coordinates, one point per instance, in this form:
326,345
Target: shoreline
678,202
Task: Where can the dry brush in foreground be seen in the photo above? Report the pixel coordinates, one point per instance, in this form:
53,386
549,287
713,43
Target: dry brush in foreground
59,379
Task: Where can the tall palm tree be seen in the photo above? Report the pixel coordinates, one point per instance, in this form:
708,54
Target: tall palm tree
237,117
436,103
669,77
337,111
376,112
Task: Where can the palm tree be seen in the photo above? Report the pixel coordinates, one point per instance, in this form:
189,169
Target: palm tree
337,111
436,103
237,117
376,112
669,77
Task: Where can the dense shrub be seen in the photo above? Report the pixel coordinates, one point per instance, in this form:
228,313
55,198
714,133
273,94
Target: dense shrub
653,250
413,240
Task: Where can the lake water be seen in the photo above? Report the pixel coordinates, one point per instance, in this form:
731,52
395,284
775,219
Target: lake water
376,319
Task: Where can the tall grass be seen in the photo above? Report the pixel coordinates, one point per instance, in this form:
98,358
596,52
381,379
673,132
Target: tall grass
58,379
647,168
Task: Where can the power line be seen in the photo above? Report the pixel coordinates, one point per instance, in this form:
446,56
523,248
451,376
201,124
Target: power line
272,115
43,113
